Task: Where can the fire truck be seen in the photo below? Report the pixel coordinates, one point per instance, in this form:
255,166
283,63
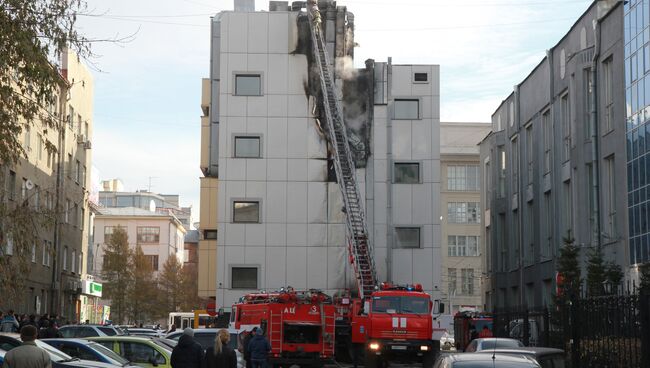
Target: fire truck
299,325
469,326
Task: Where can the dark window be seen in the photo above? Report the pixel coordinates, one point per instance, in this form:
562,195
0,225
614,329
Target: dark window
244,277
107,330
301,334
86,332
153,260
246,211
11,187
248,85
209,234
406,109
141,353
407,173
407,237
421,77
205,339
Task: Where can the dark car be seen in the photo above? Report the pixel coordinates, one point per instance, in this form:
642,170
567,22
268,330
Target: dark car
59,359
546,357
473,360
88,350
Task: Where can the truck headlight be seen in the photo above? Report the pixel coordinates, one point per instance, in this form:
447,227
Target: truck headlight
374,346
424,348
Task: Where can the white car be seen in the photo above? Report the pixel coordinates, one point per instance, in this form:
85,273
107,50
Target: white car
206,336
82,331
145,332
487,343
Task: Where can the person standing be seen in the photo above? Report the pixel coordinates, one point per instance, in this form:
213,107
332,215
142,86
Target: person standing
187,353
27,355
9,322
220,355
247,351
259,349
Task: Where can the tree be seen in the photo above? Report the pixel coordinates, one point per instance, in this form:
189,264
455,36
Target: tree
614,274
569,269
144,289
644,285
117,272
190,288
170,284
596,272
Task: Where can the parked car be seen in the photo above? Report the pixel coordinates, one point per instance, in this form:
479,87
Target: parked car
88,350
59,359
206,337
492,343
142,351
465,360
83,331
546,357
145,332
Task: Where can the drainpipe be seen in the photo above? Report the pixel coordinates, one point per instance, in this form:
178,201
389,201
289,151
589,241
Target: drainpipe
390,237
595,149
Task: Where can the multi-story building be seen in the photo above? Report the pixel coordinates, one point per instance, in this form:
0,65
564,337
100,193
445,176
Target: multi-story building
278,209
53,284
159,234
552,163
460,206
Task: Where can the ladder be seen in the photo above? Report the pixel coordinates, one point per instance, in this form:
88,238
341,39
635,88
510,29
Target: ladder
357,231
275,332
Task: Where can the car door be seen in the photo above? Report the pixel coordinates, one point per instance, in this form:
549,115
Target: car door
141,354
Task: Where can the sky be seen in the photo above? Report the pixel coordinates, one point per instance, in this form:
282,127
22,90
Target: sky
148,88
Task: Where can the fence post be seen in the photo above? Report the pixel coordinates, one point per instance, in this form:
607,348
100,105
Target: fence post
644,305
545,321
526,326
575,332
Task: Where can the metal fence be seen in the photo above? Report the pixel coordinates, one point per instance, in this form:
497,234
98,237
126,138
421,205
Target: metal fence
606,331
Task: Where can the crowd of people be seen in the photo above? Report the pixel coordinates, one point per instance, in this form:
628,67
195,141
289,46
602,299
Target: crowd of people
46,326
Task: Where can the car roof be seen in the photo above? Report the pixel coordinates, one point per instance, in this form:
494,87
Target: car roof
533,350
207,330
474,357
120,338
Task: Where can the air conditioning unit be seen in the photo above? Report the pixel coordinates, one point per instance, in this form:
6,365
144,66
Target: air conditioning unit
88,145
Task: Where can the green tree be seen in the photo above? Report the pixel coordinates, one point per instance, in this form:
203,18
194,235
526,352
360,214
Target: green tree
569,269
143,292
644,271
117,272
614,275
170,284
190,288
596,272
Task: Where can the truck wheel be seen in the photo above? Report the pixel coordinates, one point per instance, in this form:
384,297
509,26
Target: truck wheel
372,360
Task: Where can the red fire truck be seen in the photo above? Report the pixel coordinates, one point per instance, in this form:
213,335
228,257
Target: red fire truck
469,326
300,325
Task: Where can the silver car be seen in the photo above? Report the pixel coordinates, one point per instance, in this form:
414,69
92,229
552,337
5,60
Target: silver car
487,343
464,360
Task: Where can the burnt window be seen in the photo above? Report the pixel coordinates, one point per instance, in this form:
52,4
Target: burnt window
246,211
420,77
407,173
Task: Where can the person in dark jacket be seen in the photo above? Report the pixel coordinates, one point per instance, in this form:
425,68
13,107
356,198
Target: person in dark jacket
259,349
247,352
187,353
220,355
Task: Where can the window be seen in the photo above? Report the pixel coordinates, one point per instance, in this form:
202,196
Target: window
407,237
587,81
407,173
420,77
565,115
75,215
451,277
406,109
610,172
515,164
547,249
463,178
28,138
23,189
77,172
70,116
210,234
83,176
136,352
463,212
568,206
248,85
487,176
462,245
33,252
39,146
67,211
148,235
547,126
153,261
79,262
501,156
86,131
65,258
246,211
247,147
467,281
11,185
37,197
79,123
511,113
108,231
244,278
529,235
45,253
69,165
608,91
530,150
73,261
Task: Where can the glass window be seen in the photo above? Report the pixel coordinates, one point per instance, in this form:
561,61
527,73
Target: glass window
451,246
420,77
566,127
108,231
467,281
501,156
407,173
406,109
148,234
141,353
463,178
400,304
125,201
246,211
407,237
547,126
248,85
153,260
244,277
451,275
247,147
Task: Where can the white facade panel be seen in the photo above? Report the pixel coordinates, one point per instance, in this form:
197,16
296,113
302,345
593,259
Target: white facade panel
258,36
297,202
297,270
317,267
277,138
297,169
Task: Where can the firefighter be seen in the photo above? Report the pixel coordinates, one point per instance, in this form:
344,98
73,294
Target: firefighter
312,7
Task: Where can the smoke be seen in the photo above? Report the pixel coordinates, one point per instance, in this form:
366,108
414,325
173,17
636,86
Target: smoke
345,68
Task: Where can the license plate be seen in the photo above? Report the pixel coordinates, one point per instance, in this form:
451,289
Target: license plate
397,347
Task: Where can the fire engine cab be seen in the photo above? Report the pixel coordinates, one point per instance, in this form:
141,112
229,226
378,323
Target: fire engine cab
394,324
299,325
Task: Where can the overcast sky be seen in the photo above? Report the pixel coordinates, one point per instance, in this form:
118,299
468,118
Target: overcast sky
148,91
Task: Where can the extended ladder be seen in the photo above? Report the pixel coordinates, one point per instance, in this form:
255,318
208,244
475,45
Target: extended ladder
357,230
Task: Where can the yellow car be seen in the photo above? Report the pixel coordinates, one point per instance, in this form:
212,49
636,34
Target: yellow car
142,351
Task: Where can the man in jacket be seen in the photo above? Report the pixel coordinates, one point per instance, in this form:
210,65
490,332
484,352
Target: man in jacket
247,351
27,355
9,322
259,349
187,353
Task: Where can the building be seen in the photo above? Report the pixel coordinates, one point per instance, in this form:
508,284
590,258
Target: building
553,163
159,234
278,210
53,284
460,206
191,248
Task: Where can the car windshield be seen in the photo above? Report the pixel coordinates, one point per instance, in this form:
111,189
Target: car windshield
400,304
501,343
108,352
